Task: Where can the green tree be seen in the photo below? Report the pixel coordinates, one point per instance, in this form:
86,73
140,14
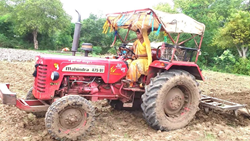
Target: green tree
8,38
91,31
165,7
37,16
6,27
64,37
235,33
3,7
214,14
246,5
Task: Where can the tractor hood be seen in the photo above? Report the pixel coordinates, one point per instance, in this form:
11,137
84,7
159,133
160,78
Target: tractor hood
71,59
110,70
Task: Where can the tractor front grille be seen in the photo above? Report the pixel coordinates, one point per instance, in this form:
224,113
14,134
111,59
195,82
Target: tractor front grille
41,78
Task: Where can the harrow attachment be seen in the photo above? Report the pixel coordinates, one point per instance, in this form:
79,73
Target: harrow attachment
208,102
9,98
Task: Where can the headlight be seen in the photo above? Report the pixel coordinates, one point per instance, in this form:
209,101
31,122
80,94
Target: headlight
54,75
36,59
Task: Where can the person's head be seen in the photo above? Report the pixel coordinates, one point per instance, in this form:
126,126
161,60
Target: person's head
138,33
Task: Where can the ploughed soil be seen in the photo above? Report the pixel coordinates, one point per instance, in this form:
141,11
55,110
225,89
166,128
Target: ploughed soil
115,125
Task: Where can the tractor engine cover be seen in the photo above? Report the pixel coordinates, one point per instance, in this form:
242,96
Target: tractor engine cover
50,71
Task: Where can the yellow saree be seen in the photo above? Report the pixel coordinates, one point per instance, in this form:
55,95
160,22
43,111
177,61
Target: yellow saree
141,64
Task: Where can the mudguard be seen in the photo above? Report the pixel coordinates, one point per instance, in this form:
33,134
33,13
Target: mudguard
190,67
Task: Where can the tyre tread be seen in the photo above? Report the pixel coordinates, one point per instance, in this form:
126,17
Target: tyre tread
150,96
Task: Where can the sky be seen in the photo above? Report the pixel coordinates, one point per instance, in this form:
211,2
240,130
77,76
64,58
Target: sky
103,7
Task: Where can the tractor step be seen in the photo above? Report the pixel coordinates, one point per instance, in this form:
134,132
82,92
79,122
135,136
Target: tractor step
134,89
209,102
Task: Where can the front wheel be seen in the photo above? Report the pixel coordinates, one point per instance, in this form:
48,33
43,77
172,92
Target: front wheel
69,118
171,100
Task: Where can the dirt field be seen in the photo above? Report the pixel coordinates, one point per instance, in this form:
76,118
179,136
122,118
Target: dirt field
123,125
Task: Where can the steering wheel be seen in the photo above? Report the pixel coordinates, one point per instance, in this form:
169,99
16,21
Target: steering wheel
124,48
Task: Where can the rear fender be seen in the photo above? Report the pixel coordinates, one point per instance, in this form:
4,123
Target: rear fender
194,70
160,66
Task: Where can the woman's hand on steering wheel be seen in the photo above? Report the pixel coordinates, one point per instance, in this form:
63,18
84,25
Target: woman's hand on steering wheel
134,56
124,48
127,49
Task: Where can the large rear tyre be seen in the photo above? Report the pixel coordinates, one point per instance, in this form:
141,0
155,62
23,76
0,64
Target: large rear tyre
30,96
70,117
171,100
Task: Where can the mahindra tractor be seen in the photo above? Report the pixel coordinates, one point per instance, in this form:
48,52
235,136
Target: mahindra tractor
168,95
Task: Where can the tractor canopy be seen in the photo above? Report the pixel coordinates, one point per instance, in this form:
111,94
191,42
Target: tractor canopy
185,33
156,20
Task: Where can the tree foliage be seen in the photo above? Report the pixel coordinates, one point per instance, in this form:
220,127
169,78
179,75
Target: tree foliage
166,7
38,16
8,38
91,31
64,37
235,33
214,14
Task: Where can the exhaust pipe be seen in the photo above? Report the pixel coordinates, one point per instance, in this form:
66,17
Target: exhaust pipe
76,35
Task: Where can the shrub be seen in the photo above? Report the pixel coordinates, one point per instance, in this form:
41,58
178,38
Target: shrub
224,62
242,66
112,51
97,49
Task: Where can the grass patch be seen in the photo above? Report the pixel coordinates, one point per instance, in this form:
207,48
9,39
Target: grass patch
126,135
210,137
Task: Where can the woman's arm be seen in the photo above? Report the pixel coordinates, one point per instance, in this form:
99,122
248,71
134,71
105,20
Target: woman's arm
132,48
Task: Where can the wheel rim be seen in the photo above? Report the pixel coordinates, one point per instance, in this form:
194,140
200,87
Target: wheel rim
71,117
175,102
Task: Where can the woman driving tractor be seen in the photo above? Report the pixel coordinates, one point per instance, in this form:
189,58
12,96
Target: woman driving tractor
143,57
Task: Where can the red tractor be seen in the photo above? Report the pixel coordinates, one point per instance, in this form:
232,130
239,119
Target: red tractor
168,95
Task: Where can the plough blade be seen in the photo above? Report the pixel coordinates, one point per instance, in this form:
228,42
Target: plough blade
9,98
6,95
